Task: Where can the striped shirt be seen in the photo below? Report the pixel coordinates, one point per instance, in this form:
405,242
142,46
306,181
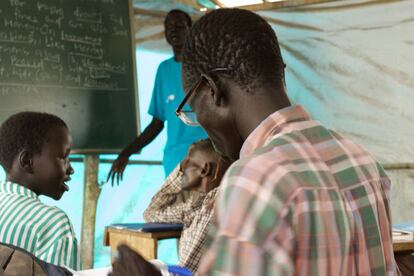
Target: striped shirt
301,200
195,212
42,230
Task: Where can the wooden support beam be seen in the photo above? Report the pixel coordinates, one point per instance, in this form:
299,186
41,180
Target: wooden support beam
158,13
266,5
399,166
155,13
90,198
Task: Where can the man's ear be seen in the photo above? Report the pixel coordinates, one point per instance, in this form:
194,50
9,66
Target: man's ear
215,92
207,169
26,160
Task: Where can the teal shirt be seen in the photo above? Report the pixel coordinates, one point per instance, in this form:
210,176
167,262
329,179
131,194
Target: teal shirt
42,230
167,95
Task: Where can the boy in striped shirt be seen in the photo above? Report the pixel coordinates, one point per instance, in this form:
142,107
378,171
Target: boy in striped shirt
34,150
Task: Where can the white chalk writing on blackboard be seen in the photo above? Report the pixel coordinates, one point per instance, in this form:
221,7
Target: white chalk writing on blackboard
68,45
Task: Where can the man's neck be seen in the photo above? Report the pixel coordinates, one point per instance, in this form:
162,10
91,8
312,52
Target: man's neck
263,107
177,53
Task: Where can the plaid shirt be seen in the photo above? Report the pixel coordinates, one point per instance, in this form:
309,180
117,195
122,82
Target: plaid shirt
301,200
172,204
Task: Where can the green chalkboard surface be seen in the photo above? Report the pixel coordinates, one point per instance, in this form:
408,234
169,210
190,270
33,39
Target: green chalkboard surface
75,59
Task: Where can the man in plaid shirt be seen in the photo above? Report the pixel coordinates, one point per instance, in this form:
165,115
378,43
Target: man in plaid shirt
188,196
301,199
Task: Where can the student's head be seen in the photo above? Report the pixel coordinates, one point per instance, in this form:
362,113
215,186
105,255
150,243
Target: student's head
233,65
203,167
176,24
34,150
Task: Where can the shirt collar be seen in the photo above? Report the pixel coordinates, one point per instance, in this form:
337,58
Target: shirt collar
16,189
271,126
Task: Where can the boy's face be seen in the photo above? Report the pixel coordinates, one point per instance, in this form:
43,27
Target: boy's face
51,167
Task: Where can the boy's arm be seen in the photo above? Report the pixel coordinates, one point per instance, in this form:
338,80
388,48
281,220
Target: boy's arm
168,205
65,252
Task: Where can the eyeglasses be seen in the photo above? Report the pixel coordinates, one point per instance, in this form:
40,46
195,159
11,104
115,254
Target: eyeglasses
221,162
189,117
217,169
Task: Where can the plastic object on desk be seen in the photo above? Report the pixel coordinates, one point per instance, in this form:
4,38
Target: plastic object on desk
176,270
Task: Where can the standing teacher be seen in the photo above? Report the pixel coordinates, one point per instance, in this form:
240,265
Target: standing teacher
167,94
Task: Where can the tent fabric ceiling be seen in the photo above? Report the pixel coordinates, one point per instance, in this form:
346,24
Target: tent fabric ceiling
149,16
190,6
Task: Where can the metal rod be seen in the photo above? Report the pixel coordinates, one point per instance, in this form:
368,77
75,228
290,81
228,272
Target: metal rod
110,161
387,166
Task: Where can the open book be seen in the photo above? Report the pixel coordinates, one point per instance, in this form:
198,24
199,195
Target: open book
403,231
402,235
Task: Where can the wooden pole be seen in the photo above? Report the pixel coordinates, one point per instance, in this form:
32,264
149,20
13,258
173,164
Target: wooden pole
90,198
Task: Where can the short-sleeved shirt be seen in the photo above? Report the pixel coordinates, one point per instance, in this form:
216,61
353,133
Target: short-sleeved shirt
45,231
302,200
167,95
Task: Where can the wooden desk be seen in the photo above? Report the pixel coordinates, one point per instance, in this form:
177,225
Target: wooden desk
143,242
403,246
146,243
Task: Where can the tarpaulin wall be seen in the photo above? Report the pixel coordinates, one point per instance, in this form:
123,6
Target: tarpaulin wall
350,63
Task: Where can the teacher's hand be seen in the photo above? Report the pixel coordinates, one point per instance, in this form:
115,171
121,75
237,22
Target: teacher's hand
118,168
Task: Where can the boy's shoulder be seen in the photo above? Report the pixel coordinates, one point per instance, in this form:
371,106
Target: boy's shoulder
53,217
32,201
53,209
55,213
46,215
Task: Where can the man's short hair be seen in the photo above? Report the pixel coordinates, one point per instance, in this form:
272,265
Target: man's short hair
236,39
177,12
205,146
25,130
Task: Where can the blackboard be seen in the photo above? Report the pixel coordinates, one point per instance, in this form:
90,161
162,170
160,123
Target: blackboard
75,59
